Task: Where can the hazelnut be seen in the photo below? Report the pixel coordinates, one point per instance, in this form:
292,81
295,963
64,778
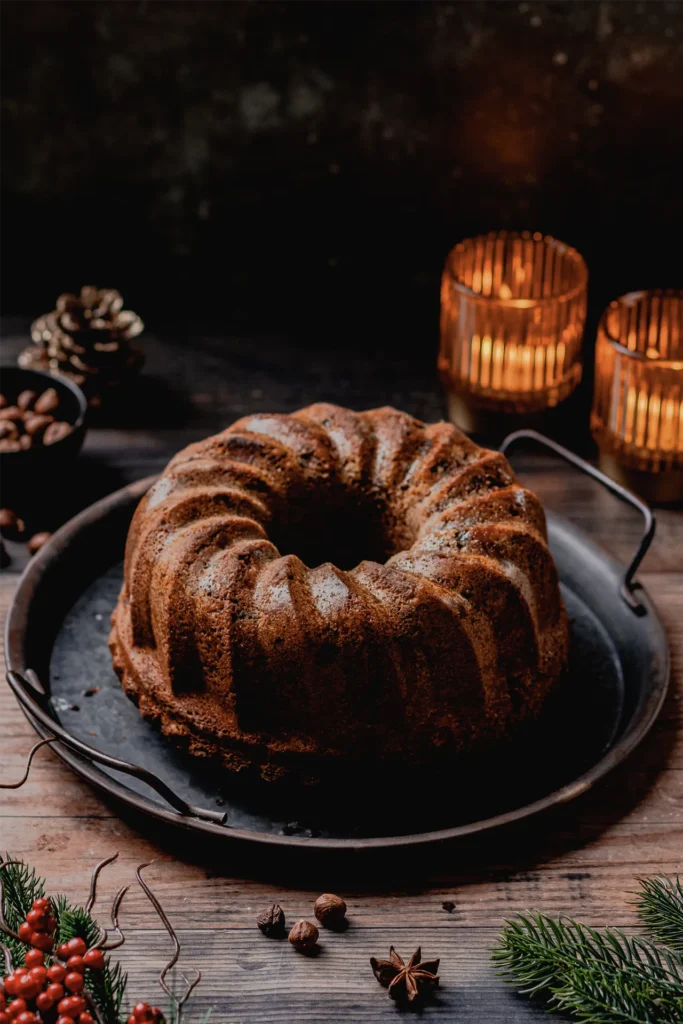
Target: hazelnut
9,446
271,921
25,442
26,400
11,526
48,402
303,936
37,540
10,412
330,910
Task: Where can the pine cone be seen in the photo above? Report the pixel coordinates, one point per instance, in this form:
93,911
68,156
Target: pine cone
89,339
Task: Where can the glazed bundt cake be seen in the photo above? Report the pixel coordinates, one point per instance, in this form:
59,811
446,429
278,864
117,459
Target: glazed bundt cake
338,586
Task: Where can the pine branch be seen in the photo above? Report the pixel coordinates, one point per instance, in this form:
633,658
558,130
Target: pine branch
660,907
602,977
107,987
20,887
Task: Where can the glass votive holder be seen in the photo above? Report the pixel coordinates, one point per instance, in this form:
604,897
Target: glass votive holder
637,415
513,308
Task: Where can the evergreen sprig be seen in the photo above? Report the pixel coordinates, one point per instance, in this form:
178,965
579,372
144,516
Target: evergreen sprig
660,907
601,976
22,887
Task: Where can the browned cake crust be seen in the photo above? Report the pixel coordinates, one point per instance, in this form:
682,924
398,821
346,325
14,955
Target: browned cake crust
450,634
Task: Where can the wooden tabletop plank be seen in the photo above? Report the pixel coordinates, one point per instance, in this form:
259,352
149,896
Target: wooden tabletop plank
581,859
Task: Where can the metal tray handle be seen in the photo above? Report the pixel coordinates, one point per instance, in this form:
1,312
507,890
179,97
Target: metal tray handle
29,692
628,586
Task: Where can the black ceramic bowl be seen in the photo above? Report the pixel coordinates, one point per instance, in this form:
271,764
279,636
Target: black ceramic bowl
21,471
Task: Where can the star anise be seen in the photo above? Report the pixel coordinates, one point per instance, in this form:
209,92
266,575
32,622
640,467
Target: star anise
406,981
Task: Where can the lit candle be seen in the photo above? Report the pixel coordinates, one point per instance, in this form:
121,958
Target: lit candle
513,308
637,416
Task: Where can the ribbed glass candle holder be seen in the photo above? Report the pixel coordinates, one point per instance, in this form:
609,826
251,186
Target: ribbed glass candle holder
513,308
637,415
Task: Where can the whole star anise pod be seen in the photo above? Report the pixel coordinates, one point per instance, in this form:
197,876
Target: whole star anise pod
406,981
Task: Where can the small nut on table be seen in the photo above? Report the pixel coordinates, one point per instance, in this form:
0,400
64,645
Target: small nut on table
303,936
330,910
37,540
271,921
11,526
11,412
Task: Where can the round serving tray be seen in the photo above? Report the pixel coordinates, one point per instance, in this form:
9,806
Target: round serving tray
60,670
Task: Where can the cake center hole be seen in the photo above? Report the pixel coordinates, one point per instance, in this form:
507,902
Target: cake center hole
344,535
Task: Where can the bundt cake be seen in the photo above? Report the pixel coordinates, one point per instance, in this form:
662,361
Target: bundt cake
332,586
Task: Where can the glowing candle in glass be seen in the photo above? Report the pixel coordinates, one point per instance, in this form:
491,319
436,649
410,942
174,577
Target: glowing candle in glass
637,416
513,308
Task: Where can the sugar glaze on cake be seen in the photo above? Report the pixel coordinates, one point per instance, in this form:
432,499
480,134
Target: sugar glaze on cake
234,635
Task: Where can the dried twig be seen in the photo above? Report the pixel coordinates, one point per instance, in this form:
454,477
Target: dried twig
109,938
93,881
178,1001
33,751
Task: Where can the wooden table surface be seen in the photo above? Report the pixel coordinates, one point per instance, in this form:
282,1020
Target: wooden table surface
581,859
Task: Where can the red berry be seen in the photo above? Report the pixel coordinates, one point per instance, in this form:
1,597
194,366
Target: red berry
4,1017
76,947
56,973
63,951
94,959
25,932
51,924
26,1018
41,940
34,958
76,963
27,987
17,1006
43,904
131,1020
43,1002
55,992
142,1010
74,982
37,920
10,985
64,1020
86,1018
72,1006
3,1001
39,975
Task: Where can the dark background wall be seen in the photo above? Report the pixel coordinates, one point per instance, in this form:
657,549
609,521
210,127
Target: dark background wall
304,167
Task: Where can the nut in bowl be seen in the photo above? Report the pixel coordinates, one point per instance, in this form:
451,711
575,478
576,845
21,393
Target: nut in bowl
42,426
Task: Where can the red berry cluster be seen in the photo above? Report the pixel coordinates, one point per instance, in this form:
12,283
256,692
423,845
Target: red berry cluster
143,1013
40,925
52,992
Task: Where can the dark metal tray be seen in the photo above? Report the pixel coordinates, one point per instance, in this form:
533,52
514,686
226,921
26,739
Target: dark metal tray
57,652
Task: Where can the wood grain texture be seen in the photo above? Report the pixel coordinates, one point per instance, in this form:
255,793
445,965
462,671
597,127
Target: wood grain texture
581,859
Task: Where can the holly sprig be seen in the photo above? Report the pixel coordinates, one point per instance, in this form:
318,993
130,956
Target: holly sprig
105,988
604,977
